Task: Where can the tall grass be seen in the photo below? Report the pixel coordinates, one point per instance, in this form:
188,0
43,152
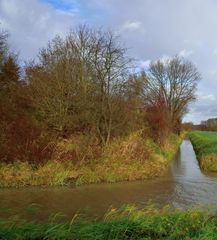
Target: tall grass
125,223
124,159
205,146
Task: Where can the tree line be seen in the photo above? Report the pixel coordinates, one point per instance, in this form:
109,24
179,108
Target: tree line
85,83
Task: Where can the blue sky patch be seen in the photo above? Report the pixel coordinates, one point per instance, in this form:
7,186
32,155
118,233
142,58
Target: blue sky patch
62,5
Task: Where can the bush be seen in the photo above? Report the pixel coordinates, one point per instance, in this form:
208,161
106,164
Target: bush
21,140
77,149
21,136
158,119
128,149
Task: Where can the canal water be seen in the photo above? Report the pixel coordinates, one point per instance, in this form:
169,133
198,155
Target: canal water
183,186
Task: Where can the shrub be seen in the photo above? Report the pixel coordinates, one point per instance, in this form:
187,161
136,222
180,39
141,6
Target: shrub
77,149
129,149
22,140
159,121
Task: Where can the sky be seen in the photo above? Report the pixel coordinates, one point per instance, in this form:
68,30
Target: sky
150,29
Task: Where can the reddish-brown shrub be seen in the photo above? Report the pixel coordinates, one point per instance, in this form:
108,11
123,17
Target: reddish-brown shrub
158,119
21,140
20,136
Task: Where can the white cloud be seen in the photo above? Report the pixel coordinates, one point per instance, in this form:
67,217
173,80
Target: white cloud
150,28
134,25
213,73
209,97
164,58
185,53
204,108
32,24
215,52
145,64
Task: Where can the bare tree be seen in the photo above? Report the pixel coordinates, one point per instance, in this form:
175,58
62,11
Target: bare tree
177,80
57,83
3,47
110,71
9,67
81,77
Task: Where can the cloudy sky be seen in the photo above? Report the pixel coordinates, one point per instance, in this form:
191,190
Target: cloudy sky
151,29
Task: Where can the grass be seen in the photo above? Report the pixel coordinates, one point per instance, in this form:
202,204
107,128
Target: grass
124,159
125,223
205,146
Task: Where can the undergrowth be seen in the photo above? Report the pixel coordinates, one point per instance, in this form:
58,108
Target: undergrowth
125,223
124,159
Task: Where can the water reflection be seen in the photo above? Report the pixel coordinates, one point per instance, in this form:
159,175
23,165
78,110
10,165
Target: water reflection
184,185
192,185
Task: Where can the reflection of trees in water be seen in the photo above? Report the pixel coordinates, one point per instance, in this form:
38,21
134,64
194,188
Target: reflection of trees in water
177,159
177,166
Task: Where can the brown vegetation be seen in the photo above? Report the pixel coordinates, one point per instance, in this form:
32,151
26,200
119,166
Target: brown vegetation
124,159
175,81
81,104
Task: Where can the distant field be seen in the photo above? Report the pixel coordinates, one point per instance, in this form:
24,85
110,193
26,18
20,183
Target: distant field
205,146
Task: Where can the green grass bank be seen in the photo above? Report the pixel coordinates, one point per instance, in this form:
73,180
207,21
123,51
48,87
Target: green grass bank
125,223
205,146
124,159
